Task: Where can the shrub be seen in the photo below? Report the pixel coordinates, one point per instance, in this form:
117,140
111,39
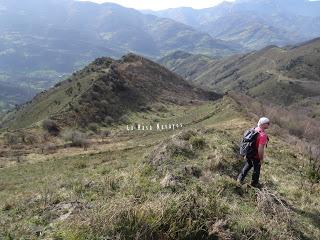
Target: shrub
30,139
180,148
58,84
198,142
216,161
69,91
95,95
108,120
78,139
94,127
124,119
11,138
144,108
186,135
295,129
104,103
98,117
313,172
51,126
79,86
105,133
312,169
7,206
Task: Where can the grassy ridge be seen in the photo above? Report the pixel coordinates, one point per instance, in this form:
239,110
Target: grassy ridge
287,76
126,192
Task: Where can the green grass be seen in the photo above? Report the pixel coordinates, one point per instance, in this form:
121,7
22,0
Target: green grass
117,193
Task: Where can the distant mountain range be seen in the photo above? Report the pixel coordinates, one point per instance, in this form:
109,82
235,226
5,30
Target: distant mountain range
254,23
125,147
41,42
288,76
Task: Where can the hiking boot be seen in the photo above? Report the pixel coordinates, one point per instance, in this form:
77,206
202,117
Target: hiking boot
256,185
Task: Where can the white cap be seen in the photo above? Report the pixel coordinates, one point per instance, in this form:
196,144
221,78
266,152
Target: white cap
263,120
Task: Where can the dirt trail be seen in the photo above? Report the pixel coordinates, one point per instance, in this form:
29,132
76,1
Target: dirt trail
120,141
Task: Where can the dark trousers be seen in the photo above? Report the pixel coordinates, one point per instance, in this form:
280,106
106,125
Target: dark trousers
251,162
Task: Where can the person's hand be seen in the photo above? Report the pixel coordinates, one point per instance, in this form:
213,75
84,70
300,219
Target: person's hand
261,161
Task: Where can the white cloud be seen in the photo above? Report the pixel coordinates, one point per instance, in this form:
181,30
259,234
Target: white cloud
163,4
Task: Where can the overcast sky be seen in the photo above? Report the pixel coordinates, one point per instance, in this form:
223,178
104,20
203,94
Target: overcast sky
163,4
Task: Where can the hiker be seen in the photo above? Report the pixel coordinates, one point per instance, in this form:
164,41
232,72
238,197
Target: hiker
256,159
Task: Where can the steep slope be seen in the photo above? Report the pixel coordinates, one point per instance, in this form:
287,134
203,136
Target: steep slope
255,24
107,88
187,65
288,76
43,41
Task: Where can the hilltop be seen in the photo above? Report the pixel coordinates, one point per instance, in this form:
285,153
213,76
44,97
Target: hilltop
106,90
287,76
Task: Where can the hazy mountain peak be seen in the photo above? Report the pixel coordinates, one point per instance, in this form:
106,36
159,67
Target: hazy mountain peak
268,1
255,23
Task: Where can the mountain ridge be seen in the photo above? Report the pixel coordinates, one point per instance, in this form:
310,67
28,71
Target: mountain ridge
254,24
287,76
107,89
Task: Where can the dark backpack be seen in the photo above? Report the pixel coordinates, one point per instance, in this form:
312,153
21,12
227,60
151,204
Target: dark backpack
248,143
